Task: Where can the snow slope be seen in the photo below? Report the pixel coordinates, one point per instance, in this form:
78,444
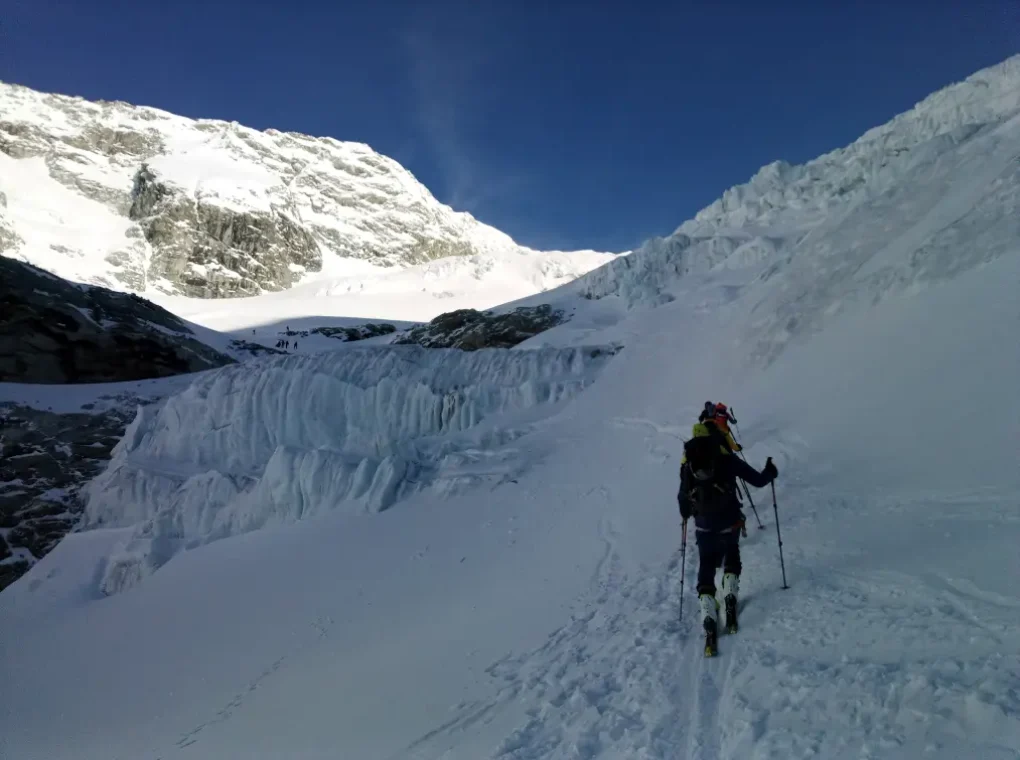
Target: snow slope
413,294
538,618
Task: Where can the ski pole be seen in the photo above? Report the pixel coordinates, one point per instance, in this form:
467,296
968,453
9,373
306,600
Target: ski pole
746,489
775,509
750,500
683,569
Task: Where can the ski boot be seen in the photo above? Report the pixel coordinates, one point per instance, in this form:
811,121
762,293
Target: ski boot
710,618
730,589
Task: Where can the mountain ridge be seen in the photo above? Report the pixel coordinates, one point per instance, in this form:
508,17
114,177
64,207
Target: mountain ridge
140,199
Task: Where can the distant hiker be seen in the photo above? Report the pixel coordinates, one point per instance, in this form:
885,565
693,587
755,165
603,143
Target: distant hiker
295,345
708,493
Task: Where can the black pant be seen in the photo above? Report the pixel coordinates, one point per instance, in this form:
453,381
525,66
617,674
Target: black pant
715,550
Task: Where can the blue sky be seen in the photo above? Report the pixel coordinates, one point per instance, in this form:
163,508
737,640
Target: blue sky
566,124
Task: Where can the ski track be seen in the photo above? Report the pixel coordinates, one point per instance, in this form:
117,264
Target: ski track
626,678
320,628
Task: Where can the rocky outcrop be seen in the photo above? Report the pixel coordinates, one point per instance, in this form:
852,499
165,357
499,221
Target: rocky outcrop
470,330
349,333
150,200
52,331
45,459
213,252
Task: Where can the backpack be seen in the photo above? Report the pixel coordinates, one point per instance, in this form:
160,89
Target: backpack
708,491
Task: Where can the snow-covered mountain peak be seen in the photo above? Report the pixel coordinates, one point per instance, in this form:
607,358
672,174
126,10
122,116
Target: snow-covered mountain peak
781,193
140,199
955,153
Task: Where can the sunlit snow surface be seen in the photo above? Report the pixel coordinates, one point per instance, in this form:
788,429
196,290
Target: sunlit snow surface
872,354
362,292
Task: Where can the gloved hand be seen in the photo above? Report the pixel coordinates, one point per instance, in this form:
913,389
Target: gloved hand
770,470
685,508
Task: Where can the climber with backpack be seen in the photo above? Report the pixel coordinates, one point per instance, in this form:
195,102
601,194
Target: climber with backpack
722,418
708,493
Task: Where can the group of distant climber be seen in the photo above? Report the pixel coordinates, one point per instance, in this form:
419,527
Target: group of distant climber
708,492
283,343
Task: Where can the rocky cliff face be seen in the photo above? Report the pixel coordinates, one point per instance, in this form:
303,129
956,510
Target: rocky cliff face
134,198
470,330
53,331
56,332
52,442
45,459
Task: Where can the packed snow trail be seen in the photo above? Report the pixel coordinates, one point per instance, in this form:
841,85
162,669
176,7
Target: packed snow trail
625,680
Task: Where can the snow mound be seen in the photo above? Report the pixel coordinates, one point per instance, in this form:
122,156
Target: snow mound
354,431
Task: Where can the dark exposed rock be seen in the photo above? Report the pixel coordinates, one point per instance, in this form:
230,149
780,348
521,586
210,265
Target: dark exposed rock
253,349
347,334
147,193
54,331
470,330
212,251
114,142
45,459
357,332
11,571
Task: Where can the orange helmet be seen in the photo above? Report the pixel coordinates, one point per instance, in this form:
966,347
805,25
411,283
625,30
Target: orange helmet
722,411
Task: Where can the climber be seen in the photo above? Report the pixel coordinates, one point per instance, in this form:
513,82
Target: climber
722,418
708,412
708,493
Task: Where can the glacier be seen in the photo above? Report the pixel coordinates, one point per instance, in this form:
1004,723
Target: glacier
355,431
